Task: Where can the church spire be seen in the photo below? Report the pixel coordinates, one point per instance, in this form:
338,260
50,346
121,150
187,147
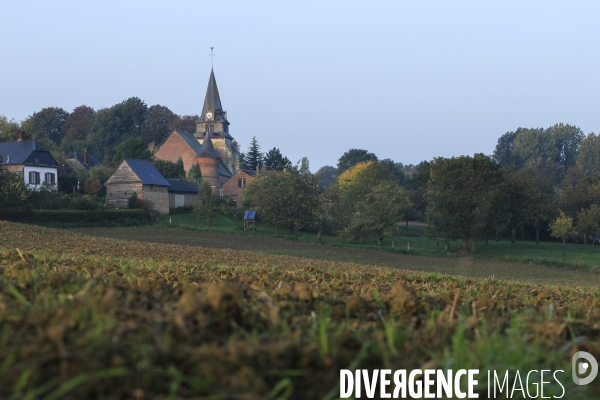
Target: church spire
212,101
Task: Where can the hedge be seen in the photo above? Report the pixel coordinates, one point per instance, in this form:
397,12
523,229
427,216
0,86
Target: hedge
78,216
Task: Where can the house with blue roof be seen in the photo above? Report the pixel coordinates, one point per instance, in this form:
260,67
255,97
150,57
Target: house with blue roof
139,177
32,161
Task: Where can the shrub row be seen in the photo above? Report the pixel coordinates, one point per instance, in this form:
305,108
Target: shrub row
77,216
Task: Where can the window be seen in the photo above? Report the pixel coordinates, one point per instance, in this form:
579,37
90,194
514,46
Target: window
50,178
241,182
34,178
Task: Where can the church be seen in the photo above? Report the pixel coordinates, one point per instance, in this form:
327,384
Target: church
211,146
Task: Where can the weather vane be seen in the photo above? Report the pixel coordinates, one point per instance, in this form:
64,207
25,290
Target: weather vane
212,54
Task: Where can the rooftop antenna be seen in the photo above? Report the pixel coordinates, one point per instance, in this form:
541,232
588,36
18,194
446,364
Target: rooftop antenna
212,54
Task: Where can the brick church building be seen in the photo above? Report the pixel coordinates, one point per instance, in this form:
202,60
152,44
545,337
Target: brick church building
218,157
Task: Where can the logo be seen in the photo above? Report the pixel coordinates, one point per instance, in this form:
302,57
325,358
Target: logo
584,363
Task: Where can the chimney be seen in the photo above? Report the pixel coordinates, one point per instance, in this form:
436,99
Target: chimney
85,158
237,164
19,135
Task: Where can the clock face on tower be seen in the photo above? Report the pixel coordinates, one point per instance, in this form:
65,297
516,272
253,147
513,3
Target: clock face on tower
209,115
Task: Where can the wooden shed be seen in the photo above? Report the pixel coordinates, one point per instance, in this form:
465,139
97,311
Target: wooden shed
142,178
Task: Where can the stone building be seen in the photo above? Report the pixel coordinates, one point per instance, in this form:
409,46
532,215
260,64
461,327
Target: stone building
142,178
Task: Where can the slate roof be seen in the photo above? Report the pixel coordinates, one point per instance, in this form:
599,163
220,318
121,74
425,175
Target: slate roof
190,140
147,172
177,185
208,150
25,152
92,161
223,170
250,172
212,101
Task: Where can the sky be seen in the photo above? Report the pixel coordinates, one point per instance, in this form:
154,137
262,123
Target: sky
405,80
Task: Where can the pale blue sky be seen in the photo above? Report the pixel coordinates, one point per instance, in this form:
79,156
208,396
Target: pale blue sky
405,80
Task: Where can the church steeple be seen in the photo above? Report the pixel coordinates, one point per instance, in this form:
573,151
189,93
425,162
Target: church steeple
212,101
213,118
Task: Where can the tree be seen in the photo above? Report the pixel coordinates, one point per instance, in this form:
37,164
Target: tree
13,191
253,157
580,196
101,172
195,175
325,176
91,185
8,129
562,228
503,154
367,201
588,223
378,212
397,169
275,161
353,157
135,148
567,138
113,125
46,124
170,170
304,166
77,125
207,204
588,159
187,123
158,123
464,195
416,184
284,199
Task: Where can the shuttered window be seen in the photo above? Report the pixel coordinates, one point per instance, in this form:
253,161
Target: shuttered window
50,178
34,178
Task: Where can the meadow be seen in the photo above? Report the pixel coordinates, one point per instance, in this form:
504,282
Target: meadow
88,317
411,240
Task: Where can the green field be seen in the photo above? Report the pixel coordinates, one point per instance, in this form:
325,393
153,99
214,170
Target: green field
90,317
414,241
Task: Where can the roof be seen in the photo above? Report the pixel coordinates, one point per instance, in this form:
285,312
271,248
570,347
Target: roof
212,101
92,161
223,170
191,140
250,172
177,185
208,150
147,172
26,152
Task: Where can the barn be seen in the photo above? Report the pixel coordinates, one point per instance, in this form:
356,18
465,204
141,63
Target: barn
142,178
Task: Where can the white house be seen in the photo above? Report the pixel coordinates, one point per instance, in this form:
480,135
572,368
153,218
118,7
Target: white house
32,160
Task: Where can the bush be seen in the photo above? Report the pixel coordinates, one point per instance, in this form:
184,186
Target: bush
181,210
80,217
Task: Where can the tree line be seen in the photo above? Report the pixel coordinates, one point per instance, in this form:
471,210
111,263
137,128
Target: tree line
537,179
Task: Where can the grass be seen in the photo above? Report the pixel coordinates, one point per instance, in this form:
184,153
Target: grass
412,241
89,317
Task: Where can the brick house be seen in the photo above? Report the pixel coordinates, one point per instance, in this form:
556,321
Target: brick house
234,187
142,178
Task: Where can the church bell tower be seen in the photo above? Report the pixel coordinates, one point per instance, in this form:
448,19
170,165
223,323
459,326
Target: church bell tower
213,124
